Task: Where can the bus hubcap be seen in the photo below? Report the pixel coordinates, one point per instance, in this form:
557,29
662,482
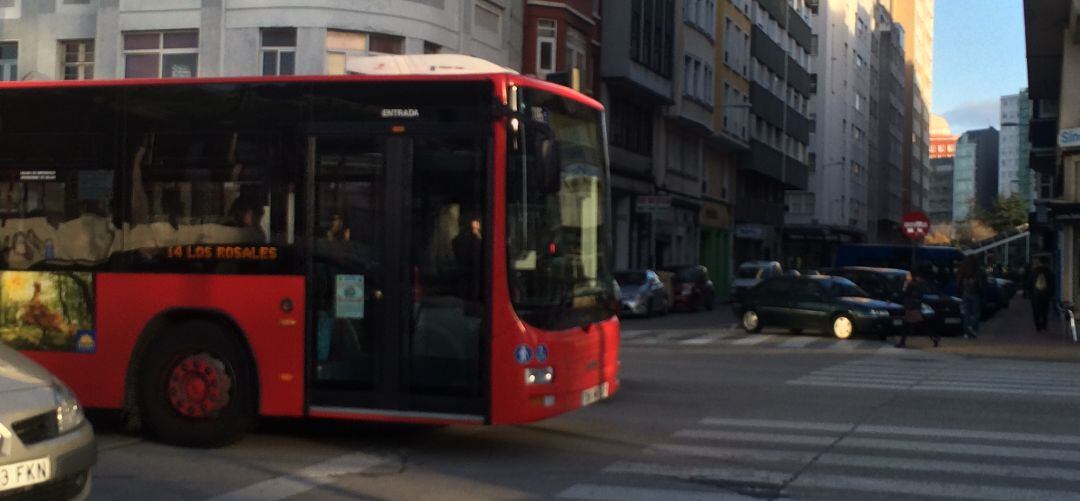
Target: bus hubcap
199,386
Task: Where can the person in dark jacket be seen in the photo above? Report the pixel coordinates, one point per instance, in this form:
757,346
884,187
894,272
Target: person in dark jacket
912,297
972,285
1041,291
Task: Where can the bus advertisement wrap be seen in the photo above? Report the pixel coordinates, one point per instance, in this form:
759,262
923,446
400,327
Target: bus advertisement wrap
47,311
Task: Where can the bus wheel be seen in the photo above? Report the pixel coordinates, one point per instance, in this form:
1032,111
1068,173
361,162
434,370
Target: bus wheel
197,386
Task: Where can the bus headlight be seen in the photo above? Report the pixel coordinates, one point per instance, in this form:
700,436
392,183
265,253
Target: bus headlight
69,414
542,375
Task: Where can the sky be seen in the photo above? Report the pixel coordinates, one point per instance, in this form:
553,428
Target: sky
979,56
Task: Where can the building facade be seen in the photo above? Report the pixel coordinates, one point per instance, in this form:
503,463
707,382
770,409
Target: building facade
638,68
1014,176
560,36
884,202
104,39
780,88
834,207
975,173
917,18
942,155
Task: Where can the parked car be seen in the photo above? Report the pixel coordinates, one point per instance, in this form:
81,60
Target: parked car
888,284
642,293
819,302
46,446
692,287
752,273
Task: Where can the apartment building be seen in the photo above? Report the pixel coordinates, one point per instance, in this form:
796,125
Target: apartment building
1014,176
103,39
942,158
975,173
780,89
562,35
884,202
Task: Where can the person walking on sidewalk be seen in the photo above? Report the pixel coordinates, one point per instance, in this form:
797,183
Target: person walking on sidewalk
915,287
972,287
1041,286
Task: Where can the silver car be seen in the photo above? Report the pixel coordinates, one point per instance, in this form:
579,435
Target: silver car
47,447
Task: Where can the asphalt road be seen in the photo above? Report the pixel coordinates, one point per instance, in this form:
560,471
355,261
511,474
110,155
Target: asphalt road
705,412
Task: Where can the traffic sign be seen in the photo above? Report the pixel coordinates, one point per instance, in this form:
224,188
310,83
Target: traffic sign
915,225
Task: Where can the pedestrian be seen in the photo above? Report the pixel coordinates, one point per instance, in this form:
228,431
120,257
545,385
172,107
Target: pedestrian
1041,289
915,287
972,284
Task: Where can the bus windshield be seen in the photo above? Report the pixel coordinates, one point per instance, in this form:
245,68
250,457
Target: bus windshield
557,214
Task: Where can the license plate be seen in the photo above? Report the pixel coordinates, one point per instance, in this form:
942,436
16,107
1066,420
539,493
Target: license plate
952,321
897,322
26,473
594,394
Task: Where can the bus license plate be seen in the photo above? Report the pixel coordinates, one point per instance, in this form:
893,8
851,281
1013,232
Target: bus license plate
26,473
952,321
594,394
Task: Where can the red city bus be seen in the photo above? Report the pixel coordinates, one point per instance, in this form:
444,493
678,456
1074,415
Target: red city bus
415,248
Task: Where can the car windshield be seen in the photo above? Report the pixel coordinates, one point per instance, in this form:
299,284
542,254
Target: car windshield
630,278
750,272
842,287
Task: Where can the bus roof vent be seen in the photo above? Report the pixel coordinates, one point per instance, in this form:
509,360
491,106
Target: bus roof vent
422,64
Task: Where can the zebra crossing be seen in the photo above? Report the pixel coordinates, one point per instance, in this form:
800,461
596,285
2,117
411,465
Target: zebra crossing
950,374
736,458
737,338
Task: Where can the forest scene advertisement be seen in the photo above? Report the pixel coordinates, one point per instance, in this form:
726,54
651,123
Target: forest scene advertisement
47,311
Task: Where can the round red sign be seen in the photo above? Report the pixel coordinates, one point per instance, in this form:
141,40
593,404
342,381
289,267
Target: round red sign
915,225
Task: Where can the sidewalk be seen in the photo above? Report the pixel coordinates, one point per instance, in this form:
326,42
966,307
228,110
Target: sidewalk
1011,334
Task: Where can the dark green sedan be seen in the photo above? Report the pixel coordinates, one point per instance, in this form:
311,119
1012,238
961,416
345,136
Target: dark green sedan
832,304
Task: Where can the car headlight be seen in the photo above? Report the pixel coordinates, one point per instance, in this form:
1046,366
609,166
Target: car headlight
69,413
879,313
926,310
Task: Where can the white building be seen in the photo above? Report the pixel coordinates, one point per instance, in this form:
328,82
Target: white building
81,39
839,184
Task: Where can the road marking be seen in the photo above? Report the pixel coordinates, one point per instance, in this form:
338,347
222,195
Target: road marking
776,423
930,489
732,453
304,480
631,334
900,380
959,449
1052,393
845,345
753,339
621,493
706,338
969,434
798,341
891,350
734,475
869,386
749,436
960,467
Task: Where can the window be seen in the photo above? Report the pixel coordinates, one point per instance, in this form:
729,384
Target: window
279,51
577,54
161,54
9,61
340,45
859,61
859,99
631,126
652,37
487,17
546,31
432,48
77,59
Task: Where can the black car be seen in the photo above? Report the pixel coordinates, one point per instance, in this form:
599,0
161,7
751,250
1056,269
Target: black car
888,284
642,293
692,286
818,302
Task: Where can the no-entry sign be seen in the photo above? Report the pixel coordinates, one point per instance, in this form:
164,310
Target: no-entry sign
915,225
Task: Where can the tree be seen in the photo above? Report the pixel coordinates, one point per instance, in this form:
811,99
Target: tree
1007,213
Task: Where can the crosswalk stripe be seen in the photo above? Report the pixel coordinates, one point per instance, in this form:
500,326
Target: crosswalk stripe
631,334
798,341
304,480
959,449
969,434
1050,393
951,375
931,489
623,493
898,380
880,386
732,453
776,423
890,349
706,338
740,475
845,345
753,339
748,436
959,467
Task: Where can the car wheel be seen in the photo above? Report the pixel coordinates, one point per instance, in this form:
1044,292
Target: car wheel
197,386
843,327
751,322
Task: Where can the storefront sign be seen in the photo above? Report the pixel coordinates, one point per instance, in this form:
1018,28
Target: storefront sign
1069,138
750,231
653,203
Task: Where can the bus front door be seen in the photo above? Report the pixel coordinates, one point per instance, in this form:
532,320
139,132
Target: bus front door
399,277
